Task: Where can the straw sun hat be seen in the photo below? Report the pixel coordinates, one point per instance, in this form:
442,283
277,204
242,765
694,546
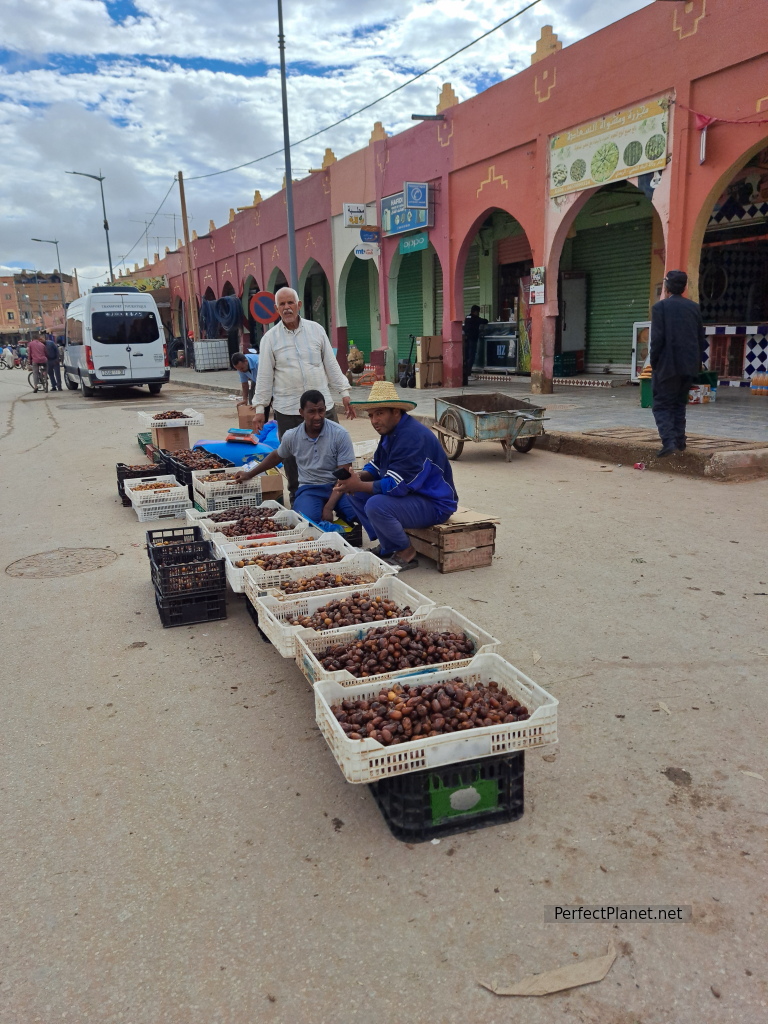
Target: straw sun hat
383,395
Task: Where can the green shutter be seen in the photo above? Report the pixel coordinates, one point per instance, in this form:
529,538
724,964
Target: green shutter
471,279
359,307
617,260
438,276
410,303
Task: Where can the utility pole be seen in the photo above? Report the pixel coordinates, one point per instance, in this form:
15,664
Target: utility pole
100,178
191,317
294,278
55,241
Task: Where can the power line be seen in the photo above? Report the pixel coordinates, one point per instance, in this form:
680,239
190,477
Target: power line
277,152
150,223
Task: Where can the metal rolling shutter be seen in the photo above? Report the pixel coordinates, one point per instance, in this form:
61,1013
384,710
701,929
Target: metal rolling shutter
513,250
617,260
359,307
438,329
471,279
410,303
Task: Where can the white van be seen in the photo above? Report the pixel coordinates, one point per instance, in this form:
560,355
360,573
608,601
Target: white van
115,339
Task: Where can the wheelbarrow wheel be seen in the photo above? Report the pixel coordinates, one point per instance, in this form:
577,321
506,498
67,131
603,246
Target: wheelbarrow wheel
451,445
524,444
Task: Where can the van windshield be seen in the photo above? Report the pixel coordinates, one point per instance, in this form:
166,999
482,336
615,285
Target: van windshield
124,327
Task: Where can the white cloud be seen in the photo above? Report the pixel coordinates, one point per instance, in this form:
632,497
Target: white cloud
140,99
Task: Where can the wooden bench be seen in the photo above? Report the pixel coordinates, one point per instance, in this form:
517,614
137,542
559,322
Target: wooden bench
466,541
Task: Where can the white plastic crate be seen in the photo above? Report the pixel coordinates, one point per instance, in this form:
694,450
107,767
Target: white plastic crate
310,644
163,496
364,450
224,490
362,564
174,511
299,531
317,542
367,760
274,615
191,418
232,552
194,515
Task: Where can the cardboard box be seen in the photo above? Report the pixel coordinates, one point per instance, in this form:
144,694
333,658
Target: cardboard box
429,375
272,485
173,439
429,347
245,414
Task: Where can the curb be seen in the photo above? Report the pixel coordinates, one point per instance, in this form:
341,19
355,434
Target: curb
201,386
724,466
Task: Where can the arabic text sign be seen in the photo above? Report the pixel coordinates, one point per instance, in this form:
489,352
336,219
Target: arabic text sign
354,215
397,218
614,147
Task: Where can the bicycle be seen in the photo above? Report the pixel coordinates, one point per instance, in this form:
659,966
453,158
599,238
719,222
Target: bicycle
43,371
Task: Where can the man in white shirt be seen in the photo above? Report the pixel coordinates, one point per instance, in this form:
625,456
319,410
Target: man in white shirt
296,356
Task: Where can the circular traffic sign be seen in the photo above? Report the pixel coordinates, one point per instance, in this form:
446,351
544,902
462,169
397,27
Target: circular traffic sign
262,308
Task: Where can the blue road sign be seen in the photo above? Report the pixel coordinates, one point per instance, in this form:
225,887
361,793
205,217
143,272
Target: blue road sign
416,195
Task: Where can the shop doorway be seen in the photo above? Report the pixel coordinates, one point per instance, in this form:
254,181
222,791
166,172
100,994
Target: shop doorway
233,334
733,273
496,278
255,330
419,296
608,280
361,304
315,294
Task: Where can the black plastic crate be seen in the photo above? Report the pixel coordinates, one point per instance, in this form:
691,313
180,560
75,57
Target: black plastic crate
125,472
184,611
180,537
164,458
195,569
184,474
436,802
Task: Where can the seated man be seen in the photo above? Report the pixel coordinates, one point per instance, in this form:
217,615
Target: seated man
408,483
320,447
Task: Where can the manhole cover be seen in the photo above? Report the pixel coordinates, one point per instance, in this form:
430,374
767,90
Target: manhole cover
61,562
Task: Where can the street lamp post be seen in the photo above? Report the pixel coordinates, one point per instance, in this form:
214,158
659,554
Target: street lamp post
54,241
100,178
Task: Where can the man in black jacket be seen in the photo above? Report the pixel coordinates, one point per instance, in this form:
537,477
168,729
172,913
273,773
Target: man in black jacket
677,350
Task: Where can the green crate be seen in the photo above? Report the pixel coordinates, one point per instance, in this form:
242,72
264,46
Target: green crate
144,440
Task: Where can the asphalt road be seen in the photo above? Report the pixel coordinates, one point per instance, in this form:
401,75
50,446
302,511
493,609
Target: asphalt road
178,844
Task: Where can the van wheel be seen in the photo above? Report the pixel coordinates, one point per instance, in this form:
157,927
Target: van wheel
88,391
154,389
71,384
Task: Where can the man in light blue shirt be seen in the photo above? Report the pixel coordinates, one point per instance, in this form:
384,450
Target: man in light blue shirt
320,447
247,366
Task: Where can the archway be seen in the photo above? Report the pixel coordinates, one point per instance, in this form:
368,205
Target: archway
315,294
233,334
733,270
495,275
415,296
609,275
277,279
359,301
255,329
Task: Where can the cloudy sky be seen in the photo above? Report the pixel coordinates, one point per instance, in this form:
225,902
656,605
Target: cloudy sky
138,89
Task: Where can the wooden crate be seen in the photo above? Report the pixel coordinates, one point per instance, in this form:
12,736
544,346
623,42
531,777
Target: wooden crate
466,541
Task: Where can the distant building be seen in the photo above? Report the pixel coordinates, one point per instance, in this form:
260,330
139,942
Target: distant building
28,298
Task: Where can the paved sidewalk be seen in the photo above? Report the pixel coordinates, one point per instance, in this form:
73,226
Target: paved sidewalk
735,414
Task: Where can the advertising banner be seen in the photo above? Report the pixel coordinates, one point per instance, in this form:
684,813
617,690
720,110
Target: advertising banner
354,215
613,147
397,218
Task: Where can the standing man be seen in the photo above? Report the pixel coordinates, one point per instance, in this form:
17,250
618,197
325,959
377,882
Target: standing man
37,355
54,372
408,484
471,328
296,356
677,350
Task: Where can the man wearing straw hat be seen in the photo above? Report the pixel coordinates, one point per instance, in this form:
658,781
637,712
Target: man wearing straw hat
408,484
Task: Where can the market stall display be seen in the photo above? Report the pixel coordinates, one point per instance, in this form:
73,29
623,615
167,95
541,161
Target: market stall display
313,547
389,599
216,490
157,497
284,584
125,472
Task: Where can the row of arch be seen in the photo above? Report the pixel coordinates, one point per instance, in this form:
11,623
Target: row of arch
612,239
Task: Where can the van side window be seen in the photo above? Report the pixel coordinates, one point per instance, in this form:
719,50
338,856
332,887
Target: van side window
74,332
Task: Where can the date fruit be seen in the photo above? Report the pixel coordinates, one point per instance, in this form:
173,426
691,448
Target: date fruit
404,646
351,610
